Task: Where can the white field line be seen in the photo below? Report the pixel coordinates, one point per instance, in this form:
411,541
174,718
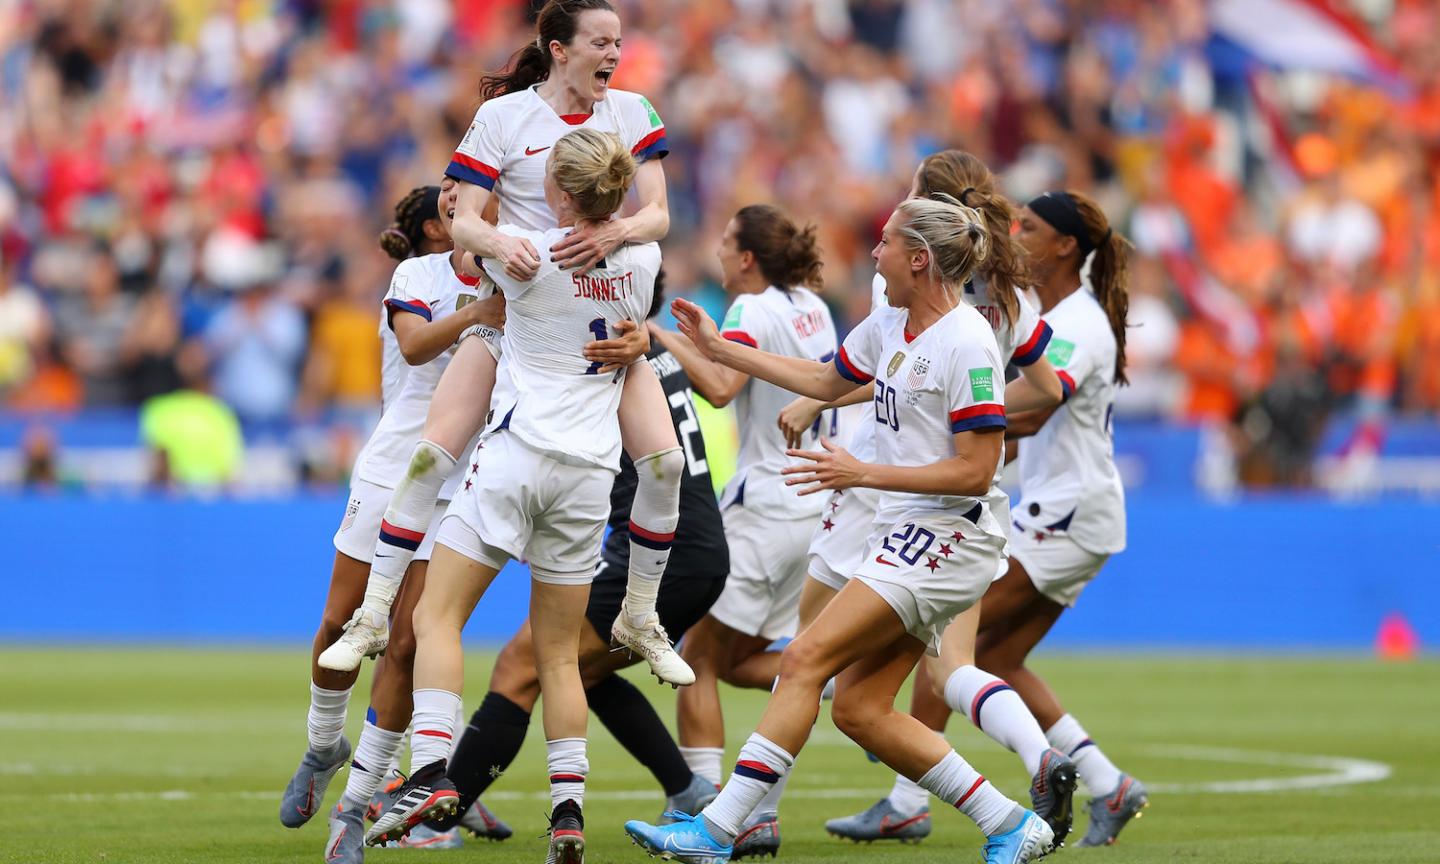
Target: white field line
1333,771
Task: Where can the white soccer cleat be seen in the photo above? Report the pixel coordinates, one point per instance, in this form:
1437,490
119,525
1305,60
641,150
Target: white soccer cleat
652,643
366,635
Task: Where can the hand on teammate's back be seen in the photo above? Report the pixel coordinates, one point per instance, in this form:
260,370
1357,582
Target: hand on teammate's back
587,245
632,344
521,260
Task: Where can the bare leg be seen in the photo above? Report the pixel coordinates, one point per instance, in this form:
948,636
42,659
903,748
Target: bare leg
347,586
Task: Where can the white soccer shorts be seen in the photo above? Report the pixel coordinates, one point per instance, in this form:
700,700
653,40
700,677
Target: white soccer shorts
1059,568
838,545
522,503
930,566
767,570
360,527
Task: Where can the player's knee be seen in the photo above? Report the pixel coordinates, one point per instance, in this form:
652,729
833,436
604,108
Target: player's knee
332,625
401,649
514,674
803,662
662,468
854,715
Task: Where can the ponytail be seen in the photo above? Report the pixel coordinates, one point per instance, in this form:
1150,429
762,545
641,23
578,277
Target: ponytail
963,177
1109,273
404,237
786,254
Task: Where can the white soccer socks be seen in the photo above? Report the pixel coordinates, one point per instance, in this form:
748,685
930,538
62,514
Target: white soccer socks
404,525
952,779
374,754
434,724
565,758
653,517
326,720
704,762
998,711
1099,773
761,765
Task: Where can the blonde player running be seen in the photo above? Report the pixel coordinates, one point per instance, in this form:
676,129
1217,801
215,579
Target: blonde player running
1071,515
951,680
558,83
767,262
940,397
428,305
539,487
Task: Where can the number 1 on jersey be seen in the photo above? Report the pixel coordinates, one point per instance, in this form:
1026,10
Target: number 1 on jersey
597,329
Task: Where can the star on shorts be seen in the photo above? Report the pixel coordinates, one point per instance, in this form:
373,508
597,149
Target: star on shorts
933,563
827,524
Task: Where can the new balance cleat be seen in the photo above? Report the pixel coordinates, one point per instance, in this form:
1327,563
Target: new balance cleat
690,800
759,836
1052,793
652,643
567,835
1111,813
347,835
1031,840
423,837
305,792
428,794
685,839
882,822
484,825
366,635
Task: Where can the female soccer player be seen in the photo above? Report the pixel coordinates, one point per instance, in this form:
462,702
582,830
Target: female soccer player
1071,514
693,579
767,262
429,304
558,83
538,486
952,677
940,396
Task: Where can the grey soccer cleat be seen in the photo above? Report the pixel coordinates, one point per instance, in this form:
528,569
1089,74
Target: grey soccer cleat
690,800
882,822
347,835
760,835
425,837
305,792
1112,812
1052,793
483,824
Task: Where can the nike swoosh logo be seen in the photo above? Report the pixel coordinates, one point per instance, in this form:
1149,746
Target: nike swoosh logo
532,151
881,559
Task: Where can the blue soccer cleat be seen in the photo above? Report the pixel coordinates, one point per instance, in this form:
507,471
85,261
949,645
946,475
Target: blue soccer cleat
686,839
1028,841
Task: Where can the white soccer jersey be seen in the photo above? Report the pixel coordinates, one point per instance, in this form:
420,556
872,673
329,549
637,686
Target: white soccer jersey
429,287
509,140
546,392
1068,480
946,380
795,323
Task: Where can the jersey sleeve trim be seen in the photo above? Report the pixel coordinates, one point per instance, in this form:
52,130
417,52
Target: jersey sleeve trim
988,416
848,370
652,146
471,170
1034,348
1067,385
417,307
740,336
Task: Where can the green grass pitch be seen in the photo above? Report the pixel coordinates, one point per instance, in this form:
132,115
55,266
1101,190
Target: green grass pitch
179,755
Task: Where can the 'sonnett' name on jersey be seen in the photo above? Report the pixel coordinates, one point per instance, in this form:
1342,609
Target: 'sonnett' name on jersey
795,323
1068,478
946,380
509,140
429,287
546,392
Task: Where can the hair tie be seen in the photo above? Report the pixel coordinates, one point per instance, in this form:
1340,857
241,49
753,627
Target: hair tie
966,191
538,46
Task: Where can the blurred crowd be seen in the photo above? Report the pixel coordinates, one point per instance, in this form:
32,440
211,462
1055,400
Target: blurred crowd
190,190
